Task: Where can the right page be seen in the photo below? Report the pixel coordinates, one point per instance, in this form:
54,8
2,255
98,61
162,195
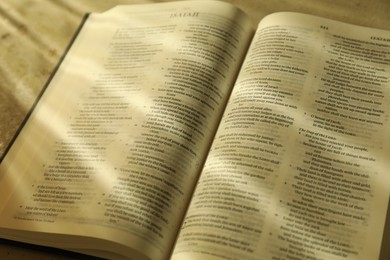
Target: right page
299,168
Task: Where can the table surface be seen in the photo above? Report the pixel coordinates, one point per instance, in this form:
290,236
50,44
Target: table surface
34,34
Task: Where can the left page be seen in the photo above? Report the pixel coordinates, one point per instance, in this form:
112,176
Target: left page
113,148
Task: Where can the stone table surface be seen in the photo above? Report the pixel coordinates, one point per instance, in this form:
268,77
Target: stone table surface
35,33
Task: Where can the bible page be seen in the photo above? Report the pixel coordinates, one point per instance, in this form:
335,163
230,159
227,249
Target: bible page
115,145
299,167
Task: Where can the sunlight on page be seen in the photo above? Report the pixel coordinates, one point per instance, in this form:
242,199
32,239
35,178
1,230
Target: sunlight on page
114,149
294,168
119,137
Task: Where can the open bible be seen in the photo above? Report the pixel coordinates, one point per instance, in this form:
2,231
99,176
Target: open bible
180,131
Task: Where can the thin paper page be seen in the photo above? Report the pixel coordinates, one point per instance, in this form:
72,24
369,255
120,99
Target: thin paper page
114,147
299,166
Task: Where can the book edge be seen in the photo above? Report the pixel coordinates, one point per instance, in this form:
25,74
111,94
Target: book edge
45,86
